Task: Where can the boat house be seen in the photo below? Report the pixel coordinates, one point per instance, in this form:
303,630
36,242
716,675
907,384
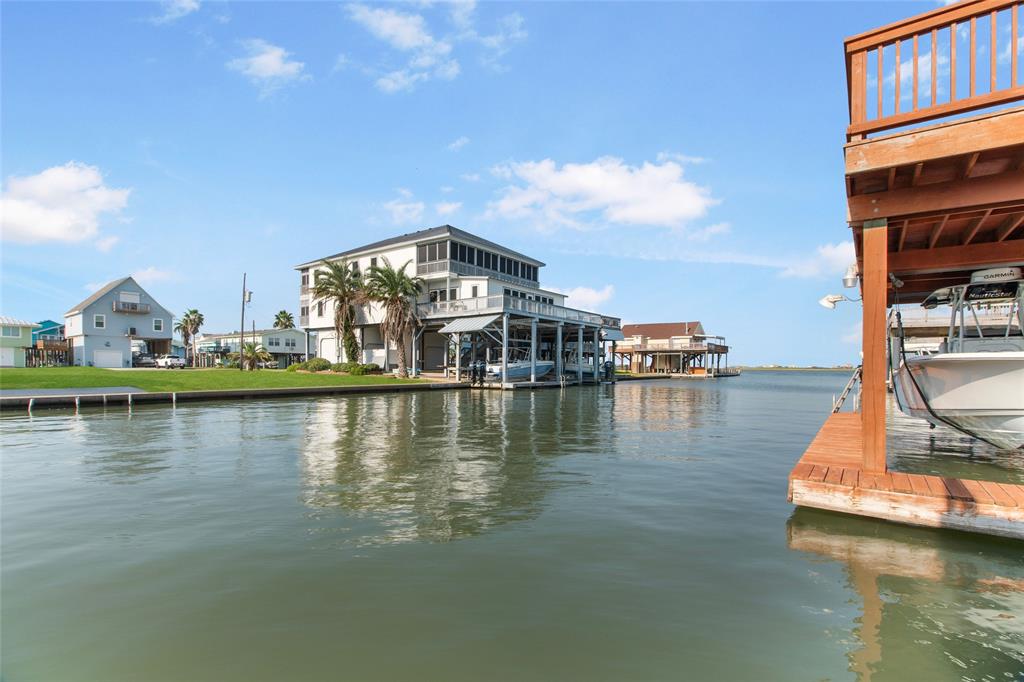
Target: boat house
481,302
681,348
933,195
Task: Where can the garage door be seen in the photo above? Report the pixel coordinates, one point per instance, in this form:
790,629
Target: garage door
107,358
6,357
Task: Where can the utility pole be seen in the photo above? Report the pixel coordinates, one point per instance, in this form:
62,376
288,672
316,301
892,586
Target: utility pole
241,329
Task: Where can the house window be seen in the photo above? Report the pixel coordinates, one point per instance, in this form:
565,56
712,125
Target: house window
373,262
305,279
474,290
273,341
515,268
304,311
12,332
355,267
319,308
99,321
470,255
453,294
158,324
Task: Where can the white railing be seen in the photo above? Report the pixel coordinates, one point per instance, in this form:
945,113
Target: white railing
671,345
512,304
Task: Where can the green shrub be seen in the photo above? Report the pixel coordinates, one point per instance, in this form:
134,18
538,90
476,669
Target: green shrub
294,366
360,370
339,367
317,364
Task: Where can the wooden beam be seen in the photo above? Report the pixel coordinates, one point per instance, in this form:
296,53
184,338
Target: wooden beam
918,167
891,179
969,166
988,190
937,231
952,258
903,235
919,23
975,226
958,106
873,396
995,130
1011,224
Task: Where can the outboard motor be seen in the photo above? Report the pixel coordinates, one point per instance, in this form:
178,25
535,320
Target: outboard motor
609,370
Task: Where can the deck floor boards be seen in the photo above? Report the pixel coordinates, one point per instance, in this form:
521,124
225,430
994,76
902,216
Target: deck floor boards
829,476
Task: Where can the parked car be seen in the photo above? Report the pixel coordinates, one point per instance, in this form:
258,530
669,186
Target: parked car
170,362
143,360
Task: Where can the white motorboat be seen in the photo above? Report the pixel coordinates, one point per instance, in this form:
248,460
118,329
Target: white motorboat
975,381
520,370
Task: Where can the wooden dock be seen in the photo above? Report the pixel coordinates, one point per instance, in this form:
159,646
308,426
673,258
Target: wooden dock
830,476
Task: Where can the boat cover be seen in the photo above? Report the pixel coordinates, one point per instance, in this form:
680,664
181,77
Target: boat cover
469,324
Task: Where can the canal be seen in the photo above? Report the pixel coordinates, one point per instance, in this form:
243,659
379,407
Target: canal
634,532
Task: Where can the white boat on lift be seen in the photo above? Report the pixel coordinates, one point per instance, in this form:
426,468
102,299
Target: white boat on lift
974,382
519,369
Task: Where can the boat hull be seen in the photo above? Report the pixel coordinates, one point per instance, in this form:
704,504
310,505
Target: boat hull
520,371
980,394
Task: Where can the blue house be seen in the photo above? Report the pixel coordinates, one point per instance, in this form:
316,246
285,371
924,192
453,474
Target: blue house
102,327
48,330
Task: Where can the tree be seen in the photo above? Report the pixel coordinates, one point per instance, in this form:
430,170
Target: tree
252,355
188,326
284,320
396,292
341,285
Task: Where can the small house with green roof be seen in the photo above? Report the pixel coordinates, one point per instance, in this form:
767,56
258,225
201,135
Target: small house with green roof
15,337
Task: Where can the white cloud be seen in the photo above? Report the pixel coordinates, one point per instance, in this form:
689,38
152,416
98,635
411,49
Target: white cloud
681,158
429,58
470,177
458,144
152,274
174,10
604,192
829,259
447,189
586,298
462,14
511,30
705,234
404,210
105,244
446,208
267,66
60,204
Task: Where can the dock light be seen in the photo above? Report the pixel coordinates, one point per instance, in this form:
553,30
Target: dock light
851,278
831,300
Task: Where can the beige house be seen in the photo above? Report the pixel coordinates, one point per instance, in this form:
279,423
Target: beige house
672,348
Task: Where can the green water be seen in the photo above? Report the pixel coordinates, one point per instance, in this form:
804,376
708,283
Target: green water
635,532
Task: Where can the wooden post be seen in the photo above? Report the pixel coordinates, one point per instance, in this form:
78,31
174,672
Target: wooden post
533,349
504,350
558,351
876,271
579,355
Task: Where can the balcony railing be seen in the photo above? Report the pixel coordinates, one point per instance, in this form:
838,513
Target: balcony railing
911,71
467,270
511,304
136,308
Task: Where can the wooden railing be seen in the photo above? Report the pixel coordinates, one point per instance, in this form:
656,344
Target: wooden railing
930,41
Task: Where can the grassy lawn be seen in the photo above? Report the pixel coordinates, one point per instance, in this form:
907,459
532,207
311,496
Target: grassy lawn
177,380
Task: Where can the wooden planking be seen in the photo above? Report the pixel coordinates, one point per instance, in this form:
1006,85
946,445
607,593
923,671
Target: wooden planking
940,197
987,132
946,258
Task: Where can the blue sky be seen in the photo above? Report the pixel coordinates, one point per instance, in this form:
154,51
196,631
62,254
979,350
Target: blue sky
668,161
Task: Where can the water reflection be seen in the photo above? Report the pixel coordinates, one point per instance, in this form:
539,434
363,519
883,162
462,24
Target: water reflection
916,448
440,466
957,598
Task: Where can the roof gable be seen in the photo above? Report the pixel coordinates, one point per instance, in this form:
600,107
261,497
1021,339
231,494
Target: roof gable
106,289
663,330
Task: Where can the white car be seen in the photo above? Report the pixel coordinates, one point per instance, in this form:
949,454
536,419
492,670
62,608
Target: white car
170,362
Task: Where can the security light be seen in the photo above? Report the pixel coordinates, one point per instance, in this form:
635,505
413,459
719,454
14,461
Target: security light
831,300
851,278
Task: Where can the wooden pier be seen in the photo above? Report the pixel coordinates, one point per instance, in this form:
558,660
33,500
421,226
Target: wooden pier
831,475
927,207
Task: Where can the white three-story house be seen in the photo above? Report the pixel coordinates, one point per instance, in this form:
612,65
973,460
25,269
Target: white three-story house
478,296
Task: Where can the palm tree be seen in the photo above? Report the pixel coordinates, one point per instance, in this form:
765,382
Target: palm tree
252,355
188,326
340,284
396,292
284,320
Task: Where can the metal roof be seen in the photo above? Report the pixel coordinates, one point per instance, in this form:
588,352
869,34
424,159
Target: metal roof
14,322
430,233
613,335
469,324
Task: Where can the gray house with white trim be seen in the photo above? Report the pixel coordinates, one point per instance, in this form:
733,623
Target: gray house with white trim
102,327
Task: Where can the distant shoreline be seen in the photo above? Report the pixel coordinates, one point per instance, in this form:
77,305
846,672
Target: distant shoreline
795,369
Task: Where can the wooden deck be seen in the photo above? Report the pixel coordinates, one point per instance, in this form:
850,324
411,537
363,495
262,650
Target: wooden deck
829,476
